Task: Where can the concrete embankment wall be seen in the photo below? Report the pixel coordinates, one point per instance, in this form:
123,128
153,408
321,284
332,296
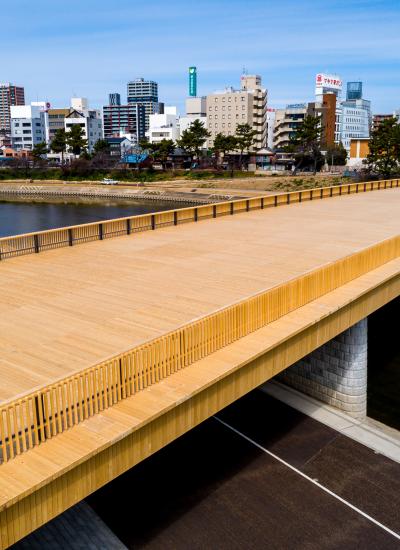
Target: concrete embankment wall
336,373
65,191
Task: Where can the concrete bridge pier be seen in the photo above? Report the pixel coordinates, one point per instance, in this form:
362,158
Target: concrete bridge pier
336,373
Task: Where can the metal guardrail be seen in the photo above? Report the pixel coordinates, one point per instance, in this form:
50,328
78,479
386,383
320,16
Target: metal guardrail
37,416
33,243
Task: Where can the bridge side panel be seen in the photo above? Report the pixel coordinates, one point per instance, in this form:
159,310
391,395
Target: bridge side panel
21,517
336,373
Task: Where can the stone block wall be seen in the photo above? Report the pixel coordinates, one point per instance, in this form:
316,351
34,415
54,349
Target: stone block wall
335,373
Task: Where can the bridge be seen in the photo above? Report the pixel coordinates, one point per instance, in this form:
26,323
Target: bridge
113,349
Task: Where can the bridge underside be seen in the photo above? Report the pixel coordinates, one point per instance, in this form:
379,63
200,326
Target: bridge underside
40,484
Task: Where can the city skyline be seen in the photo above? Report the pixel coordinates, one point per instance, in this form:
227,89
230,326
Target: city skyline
92,50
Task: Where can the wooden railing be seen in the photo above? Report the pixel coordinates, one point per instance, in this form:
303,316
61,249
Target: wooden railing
40,415
30,243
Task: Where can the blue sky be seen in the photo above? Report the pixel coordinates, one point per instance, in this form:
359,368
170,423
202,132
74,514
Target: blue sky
92,47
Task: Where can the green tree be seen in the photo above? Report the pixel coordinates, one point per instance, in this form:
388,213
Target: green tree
76,140
222,146
384,148
162,150
307,143
39,151
193,139
245,139
59,143
145,144
101,146
336,155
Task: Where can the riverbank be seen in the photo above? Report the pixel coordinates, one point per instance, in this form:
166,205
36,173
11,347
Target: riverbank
53,190
192,191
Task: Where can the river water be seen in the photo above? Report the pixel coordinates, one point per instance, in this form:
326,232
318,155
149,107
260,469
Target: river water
26,216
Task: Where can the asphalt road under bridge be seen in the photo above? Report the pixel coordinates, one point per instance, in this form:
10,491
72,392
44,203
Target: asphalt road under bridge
219,487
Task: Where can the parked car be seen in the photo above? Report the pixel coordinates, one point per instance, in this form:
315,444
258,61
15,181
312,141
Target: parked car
109,181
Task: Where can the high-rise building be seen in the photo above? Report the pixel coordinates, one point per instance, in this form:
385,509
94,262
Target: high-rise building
10,95
124,119
114,99
325,108
145,92
230,107
354,91
353,115
355,120
28,125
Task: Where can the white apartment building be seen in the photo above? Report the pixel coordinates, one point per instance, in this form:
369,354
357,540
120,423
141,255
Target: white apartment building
196,109
88,119
353,120
28,125
230,107
165,126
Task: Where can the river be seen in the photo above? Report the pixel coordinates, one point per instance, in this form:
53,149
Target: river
26,216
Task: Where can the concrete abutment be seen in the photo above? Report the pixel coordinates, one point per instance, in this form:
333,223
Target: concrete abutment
336,373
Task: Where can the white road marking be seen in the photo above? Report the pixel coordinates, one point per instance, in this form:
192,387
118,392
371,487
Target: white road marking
313,481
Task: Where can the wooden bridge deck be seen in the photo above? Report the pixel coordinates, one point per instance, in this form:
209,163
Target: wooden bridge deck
70,308
37,485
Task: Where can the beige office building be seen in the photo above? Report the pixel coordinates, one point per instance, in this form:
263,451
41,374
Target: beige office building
230,107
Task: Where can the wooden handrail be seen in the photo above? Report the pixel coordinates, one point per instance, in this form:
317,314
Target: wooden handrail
33,243
33,418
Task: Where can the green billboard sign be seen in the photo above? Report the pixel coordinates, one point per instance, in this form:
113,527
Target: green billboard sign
192,81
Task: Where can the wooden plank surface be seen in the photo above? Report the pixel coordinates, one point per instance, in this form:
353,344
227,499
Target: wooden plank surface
70,308
54,458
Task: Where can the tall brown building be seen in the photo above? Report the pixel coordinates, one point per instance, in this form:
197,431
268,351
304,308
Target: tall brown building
9,95
327,111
